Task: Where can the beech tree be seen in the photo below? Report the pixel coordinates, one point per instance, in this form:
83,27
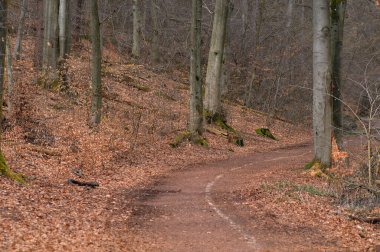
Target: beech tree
215,59
50,43
196,106
322,102
338,10
20,30
155,49
137,29
96,99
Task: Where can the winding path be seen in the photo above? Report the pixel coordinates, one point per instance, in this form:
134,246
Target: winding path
189,211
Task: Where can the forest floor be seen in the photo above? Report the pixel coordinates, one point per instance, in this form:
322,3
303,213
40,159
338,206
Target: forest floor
47,138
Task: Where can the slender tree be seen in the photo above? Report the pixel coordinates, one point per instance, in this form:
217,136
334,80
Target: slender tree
215,59
322,102
338,10
137,29
96,101
38,45
64,24
20,30
50,43
4,169
196,106
155,48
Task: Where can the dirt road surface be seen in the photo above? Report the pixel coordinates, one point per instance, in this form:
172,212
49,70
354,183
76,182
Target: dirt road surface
194,209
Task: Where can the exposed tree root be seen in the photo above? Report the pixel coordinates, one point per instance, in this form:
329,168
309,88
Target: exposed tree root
7,172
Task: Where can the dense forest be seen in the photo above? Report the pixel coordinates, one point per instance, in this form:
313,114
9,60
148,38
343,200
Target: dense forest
109,105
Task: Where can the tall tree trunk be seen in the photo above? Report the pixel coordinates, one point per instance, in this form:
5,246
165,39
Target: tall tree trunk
38,45
196,106
64,31
20,30
226,52
64,24
322,102
136,28
338,10
155,48
215,59
78,21
50,44
10,78
289,13
96,101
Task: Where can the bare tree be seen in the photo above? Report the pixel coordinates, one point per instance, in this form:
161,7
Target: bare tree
96,100
338,10
215,59
155,48
50,43
322,104
20,30
137,29
196,106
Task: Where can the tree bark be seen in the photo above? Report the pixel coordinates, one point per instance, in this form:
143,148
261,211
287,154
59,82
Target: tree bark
78,21
136,29
338,10
96,101
10,78
3,42
322,102
38,45
20,30
64,24
196,106
50,43
215,59
155,48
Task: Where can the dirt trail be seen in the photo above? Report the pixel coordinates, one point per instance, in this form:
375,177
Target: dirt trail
193,209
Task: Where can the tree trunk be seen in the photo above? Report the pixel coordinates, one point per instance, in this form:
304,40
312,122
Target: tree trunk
96,101
322,102
64,24
3,42
289,14
50,44
10,78
215,59
136,29
38,45
155,48
196,106
78,21
20,30
338,10
226,52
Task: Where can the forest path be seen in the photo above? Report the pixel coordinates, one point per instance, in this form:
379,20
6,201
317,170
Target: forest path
194,209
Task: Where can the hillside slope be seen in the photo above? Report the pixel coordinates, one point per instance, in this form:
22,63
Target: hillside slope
48,140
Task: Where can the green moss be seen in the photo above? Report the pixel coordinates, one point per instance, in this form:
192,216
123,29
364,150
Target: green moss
187,136
310,165
180,138
265,133
7,172
140,87
200,141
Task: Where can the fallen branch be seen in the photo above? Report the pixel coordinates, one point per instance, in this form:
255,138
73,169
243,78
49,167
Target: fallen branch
82,183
